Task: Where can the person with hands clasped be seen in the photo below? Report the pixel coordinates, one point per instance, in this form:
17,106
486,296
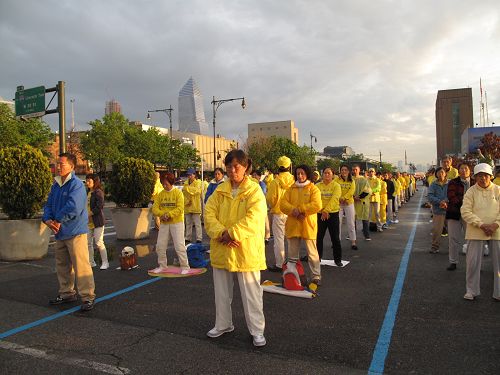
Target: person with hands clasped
437,195
168,206
301,202
481,211
234,220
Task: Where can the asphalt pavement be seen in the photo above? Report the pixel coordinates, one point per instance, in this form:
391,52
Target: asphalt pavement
393,309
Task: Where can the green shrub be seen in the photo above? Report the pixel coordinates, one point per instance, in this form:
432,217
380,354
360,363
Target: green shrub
25,181
132,182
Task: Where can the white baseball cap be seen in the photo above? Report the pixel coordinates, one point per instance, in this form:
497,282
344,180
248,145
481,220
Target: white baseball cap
484,168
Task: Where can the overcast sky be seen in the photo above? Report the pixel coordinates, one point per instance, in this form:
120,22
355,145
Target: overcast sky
358,73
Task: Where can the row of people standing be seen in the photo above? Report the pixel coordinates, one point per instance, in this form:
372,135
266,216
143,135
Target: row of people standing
470,207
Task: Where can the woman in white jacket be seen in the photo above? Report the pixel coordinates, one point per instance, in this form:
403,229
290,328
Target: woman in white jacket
481,211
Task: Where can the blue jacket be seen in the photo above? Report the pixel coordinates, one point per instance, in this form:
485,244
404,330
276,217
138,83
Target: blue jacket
436,194
67,204
211,188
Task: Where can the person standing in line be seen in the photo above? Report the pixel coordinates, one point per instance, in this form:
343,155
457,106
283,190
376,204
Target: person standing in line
301,203
390,197
346,201
65,213
158,188
257,176
192,206
95,208
375,187
446,164
362,194
169,207
277,188
455,192
383,200
439,200
328,217
218,179
395,199
234,221
481,211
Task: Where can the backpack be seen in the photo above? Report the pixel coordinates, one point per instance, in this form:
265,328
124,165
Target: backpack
294,277
196,255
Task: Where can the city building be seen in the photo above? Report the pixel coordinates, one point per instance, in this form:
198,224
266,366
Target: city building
112,106
285,129
191,111
454,114
339,152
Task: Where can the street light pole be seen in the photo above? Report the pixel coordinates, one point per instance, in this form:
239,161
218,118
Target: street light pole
215,106
315,140
168,111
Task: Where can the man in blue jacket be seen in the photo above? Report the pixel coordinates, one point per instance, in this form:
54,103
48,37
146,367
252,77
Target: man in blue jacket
66,215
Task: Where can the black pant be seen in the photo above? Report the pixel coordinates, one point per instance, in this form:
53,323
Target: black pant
333,228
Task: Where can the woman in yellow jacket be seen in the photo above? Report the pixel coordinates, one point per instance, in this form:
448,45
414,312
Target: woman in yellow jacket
301,202
192,191
234,220
169,207
346,200
328,217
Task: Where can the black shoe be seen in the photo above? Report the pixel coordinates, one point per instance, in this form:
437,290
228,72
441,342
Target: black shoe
339,263
60,300
266,240
354,247
305,258
87,305
187,242
198,241
274,269
452,267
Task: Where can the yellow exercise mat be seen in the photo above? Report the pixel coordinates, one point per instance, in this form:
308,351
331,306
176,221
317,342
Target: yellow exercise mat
173,271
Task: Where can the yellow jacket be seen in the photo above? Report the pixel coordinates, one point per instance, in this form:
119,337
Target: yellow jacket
158,188
330,195
452,173
402,181
383,192
307,200
430,179
481,206
171,203
347,190
244,218
276,190
192,197
496,181
397,186
375,186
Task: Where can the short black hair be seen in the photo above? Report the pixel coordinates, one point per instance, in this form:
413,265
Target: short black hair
241,157
306,169
70,157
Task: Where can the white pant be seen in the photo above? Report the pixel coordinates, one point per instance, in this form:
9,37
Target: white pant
196,220
350,217
473,270
456,239
251,297
375,206
278,226
177,232
96,235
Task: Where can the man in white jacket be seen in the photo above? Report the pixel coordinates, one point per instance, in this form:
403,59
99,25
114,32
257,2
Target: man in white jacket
481,211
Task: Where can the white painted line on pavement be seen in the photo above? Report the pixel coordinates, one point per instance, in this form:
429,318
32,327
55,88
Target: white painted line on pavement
42,354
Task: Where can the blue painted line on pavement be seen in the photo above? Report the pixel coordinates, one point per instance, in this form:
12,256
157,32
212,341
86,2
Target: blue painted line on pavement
76,308
385,335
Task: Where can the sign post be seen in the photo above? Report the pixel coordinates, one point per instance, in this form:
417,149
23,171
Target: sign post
30,102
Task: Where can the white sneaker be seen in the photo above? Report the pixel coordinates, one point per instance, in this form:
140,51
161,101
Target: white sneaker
395,221
259,340
214,332
157,270
464,248
185,271
104,266
469,297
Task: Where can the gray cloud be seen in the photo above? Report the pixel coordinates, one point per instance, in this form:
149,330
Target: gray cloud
359,73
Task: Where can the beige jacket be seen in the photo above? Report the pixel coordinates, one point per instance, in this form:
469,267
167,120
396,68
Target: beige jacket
481,206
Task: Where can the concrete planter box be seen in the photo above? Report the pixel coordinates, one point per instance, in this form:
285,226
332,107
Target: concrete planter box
131,223
23,239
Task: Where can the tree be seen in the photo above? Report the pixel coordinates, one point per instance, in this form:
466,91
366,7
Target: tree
102,145
14,132
490,146
265,152
330,163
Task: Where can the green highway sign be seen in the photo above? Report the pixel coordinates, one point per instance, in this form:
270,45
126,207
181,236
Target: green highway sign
30,102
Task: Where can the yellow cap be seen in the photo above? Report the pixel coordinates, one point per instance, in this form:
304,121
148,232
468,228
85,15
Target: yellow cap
284,162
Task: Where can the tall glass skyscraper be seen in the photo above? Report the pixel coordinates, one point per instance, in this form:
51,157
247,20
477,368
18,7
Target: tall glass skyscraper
191,112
